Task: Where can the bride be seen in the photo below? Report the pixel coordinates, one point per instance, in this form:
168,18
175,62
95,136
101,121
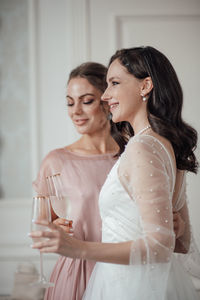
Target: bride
136,258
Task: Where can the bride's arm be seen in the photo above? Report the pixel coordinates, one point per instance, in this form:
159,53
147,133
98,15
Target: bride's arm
183,242
61,243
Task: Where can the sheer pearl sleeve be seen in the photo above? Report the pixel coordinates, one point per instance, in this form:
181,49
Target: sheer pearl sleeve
146,173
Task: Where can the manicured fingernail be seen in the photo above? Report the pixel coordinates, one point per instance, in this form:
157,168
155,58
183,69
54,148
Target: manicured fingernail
71,229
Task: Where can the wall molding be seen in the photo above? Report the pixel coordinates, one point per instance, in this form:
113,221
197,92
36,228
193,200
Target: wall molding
33,86
118,20
80,31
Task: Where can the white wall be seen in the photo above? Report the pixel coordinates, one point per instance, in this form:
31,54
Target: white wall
39,33
14,100
63,34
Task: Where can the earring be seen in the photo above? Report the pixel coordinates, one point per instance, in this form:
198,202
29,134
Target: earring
109,116
144,98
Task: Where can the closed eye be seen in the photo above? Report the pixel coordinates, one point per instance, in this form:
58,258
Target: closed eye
88,102
70,104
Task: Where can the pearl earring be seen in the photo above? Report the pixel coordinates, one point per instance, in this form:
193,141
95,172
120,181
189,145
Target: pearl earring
144,98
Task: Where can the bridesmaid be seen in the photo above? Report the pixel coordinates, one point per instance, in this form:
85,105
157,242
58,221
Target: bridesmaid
84,166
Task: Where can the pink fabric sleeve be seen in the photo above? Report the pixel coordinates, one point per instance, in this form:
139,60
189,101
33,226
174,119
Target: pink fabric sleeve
50,165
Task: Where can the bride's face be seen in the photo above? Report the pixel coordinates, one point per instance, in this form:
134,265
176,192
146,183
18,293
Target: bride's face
85,107
123,93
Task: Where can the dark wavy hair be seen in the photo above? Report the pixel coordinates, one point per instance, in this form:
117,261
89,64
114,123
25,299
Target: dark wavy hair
164,107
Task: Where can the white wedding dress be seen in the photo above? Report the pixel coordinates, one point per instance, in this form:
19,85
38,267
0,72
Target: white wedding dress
136,205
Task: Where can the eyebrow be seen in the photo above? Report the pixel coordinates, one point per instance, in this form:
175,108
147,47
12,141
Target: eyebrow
82,96
114,77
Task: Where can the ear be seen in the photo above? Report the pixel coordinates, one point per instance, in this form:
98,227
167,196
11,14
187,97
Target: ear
147,86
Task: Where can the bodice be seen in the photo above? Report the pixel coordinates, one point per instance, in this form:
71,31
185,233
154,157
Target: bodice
119,213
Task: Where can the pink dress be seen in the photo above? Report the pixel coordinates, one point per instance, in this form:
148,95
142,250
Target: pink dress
84,176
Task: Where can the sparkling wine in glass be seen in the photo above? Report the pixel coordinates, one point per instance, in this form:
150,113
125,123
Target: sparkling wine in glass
41,213
59,200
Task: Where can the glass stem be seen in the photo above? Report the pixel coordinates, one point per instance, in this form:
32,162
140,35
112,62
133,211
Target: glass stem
41,267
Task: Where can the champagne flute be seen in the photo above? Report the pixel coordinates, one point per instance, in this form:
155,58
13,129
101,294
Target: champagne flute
41,213
59,200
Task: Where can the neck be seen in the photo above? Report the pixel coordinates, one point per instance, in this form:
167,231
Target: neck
97,143
142,130
139,123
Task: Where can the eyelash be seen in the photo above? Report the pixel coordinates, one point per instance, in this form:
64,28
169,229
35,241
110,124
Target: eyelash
88,102
115,82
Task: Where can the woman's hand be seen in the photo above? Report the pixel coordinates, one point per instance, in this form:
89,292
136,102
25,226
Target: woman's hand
66,225
179,224
58,241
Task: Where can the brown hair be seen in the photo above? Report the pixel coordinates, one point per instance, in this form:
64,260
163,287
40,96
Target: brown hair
95,73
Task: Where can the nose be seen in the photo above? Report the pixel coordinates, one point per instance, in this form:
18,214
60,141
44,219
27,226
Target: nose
105,96
77,109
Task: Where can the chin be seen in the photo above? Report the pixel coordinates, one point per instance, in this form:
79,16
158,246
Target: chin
85,130
116,119
80,130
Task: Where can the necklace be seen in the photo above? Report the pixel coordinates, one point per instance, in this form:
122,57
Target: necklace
143,129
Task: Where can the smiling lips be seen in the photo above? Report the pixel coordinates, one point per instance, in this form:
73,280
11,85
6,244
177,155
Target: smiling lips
113,105
80,122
